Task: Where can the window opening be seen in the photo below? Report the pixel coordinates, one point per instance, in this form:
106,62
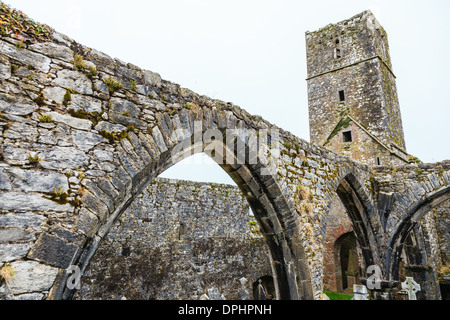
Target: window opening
341,95
347,136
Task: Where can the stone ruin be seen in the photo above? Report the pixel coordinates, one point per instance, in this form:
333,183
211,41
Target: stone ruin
82,135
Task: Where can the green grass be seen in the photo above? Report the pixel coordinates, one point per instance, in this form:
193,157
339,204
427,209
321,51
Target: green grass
338,296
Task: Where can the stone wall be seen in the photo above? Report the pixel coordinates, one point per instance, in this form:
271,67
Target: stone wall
177,240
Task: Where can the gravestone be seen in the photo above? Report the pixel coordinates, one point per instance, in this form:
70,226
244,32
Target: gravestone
411,287
352,270
243,294
360,292
260,292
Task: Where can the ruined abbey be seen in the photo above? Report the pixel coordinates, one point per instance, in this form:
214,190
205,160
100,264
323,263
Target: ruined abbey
84,214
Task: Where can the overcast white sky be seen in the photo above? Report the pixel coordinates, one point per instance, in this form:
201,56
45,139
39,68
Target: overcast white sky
252,53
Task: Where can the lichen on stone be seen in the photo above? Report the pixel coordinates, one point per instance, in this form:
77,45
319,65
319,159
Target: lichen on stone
16,23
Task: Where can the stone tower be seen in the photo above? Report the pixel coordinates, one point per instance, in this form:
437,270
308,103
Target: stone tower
352,94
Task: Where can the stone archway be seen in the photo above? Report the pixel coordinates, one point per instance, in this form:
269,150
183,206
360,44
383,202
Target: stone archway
349,211
414,259
359,208
264,195
403,238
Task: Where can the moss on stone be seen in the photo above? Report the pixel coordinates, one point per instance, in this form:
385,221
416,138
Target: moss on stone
191,106
33,160
40,100
112,84
412,159
133,85
67,98
112,137
78,63
344,123
92,72
81,114
58,196
17,23
108,135
45,119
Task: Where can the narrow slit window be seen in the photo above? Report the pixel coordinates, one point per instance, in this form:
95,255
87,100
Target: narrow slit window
337,53
341,95
378,161
347,136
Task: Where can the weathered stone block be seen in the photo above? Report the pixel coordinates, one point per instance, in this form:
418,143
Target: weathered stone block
22,220
53,251
16,251
63,158
76,123
31,276
88,104
123,106
159,139
32,202
140,150
30,180
54,94
73,80
53,50
151,78
86,222
95,205
14,235
103,155
149,144
121,179
5,69
21,131
126,120
26,57
86,140
109,127
16,105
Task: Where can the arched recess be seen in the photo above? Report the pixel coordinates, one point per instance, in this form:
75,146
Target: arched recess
359,208
347,264
409,222
414,263
269,202
264,288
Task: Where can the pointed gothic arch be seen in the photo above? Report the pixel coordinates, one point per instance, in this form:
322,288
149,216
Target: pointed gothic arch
402,230
359,208
109,198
